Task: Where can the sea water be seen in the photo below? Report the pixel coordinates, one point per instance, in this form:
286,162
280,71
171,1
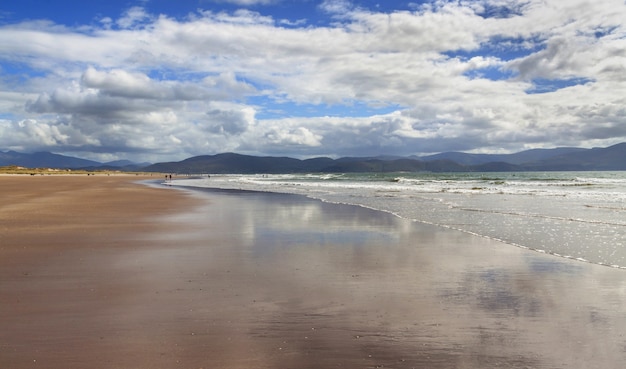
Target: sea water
577,215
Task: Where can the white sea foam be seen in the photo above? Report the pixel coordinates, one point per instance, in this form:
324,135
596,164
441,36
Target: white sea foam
582,215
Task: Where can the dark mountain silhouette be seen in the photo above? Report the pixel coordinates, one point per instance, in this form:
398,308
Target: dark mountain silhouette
121,163
43,160
559,159
534,155
610,158
235,163
50,160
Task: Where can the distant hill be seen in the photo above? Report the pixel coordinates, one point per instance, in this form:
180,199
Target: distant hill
610,158
50,160
559,159
43,160
237,163
534,155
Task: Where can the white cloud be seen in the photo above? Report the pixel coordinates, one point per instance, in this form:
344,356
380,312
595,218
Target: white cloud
172,88
226,119
298,137
337,7
120,83
133,17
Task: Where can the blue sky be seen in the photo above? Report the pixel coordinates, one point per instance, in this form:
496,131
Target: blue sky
158,80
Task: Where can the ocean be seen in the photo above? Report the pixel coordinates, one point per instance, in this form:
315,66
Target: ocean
575,215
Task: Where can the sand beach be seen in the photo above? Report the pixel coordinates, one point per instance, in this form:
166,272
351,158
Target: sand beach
106,272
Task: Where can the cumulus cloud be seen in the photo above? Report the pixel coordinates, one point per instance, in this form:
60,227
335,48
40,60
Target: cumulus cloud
228,120
448,75
301,136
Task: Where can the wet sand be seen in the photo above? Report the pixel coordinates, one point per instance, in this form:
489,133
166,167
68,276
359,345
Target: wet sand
103,273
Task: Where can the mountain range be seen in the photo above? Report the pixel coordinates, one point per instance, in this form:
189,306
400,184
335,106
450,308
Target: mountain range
49,160
558,159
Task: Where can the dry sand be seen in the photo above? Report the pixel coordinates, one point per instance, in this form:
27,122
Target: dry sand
57,290
101,272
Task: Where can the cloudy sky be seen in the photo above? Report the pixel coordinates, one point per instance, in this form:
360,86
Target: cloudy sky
159,80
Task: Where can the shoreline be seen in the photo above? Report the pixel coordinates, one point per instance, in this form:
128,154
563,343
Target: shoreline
119,274
555,248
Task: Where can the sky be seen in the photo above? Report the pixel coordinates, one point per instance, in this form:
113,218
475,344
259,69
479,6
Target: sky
163,80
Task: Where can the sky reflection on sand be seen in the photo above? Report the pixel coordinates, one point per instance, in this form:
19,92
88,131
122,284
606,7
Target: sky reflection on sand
311,284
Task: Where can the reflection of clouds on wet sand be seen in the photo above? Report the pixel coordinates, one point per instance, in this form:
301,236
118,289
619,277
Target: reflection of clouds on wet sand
310,284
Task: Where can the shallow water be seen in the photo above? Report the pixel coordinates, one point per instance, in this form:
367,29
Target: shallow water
578,215
305,283
262,280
